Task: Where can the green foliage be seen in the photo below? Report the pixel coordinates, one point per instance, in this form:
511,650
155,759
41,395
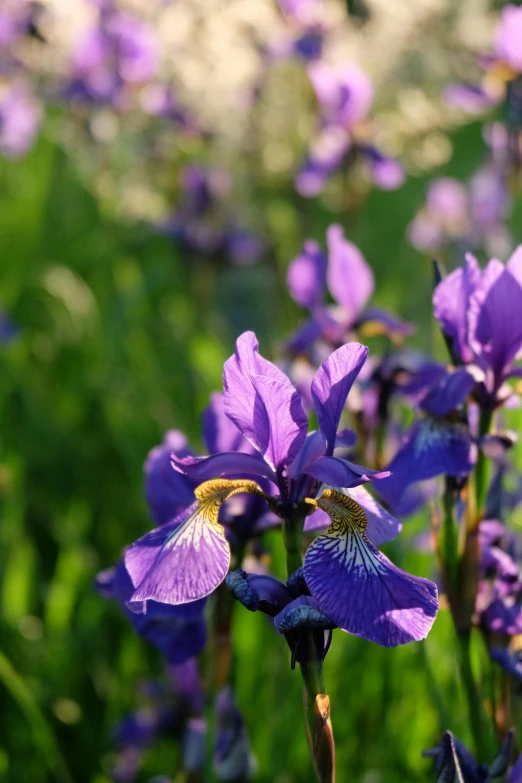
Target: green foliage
120,339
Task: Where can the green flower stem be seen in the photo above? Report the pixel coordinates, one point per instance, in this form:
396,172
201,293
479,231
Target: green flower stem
481,472
483,737
311,665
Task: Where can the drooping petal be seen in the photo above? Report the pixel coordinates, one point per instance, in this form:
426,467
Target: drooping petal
450,391
358,587
219,432
303,613
258,592
451,304
341,473
167,492
228,464
306,276
188,558
279,423
350,279
247,404
331,386
382,526
495,317
430,448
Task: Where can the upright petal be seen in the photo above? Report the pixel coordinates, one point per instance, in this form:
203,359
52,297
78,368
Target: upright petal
495,310
306,276
331,386
188,558
430,448
350,279
219,432
358,587
279,423
451,304
247,404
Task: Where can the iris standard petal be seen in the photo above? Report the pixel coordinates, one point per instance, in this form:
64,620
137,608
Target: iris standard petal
187,559
247,405
167,492
451,303
279,422
358,587
306,276
349,277
331,386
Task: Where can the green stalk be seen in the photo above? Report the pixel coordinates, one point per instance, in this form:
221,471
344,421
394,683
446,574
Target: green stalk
482,467
312,665
484,742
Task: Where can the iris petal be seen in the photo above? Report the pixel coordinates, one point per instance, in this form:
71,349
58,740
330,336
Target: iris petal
188,558
358,587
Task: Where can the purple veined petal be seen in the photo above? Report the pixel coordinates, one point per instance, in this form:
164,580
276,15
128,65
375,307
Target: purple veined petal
187,559
306,276
495,319
381,527
279,423
374,320
245,406
349,277
331,386
451,302
229,464
450,392
430,448
220,434
359,588
341,473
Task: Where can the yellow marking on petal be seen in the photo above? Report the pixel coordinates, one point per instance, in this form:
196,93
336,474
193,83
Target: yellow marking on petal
346,515
213,493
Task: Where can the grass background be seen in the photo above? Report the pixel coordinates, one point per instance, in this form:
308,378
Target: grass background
121,338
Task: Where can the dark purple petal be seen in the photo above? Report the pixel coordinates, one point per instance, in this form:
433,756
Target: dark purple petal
301,614
504,615
219,433
304,336
495,310
280,423
331,386
449,393
359,588
275,425
306,276
451,300
512,664
341,473
350,279
515,776
430,448
258,592
229,464
167,491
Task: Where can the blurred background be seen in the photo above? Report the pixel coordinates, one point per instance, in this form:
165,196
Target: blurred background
150,203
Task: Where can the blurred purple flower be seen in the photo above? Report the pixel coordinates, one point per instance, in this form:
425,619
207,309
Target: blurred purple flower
20,118
508,37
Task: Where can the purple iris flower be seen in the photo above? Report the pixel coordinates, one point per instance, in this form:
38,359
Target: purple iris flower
453,761
120,50
179,632
478,311
233,758
353,584
345,96
200,224
20,118
349,280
